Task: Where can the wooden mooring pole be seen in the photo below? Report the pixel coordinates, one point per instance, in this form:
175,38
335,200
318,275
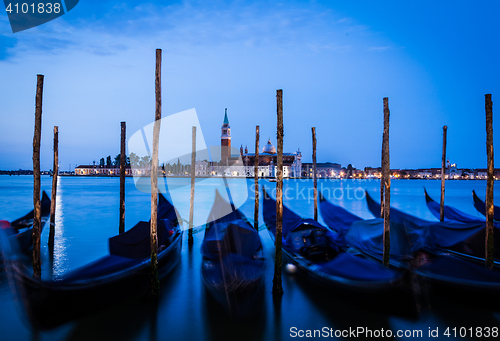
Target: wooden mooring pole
277,285
154,283
443,171
123,158
256,180
489,184
37,216
53,197
315,180
387,185
382,177
191,202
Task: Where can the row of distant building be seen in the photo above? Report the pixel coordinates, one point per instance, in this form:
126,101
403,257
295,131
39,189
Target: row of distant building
325,170
451,172
243,165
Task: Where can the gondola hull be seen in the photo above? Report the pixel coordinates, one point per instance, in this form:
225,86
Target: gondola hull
239,299
50,304
25,238
310,269
447,273
468,284
481,207
320,253
233,263
387,296
24,235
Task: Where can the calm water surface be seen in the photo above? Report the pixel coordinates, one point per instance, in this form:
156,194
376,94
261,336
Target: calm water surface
87,215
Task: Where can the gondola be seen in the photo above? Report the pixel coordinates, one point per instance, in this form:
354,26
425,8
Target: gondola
464,239
20,231
122,275
444,253
450,213
366,235
319,254
233,263
481,207
471,233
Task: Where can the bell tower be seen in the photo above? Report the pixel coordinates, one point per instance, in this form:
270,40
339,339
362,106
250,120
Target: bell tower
225,140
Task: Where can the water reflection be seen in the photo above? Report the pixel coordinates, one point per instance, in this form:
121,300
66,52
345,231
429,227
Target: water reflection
277,302
131,320
344,311
60,255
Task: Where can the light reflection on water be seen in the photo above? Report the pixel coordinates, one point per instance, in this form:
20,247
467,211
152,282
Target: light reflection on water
60,254
88,214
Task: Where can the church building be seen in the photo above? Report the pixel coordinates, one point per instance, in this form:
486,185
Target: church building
243,164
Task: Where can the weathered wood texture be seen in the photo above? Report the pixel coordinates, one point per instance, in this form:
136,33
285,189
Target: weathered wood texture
489,183
154,289
191,202
53,197
382,176
256,180
277,285
315,180
123,158
387,185
443,173
37,223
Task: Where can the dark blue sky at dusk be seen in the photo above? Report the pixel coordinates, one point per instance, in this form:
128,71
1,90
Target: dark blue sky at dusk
334,60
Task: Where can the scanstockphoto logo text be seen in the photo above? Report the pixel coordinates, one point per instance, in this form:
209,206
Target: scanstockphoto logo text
26,14
293,191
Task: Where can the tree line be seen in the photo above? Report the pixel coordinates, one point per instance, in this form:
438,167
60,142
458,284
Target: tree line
144,162
108,162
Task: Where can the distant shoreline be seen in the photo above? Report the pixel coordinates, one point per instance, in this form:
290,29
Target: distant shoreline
232,177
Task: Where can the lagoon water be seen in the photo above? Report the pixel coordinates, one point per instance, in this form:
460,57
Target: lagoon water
87,215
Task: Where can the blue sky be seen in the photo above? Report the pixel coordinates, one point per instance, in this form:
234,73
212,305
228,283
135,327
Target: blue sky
334,60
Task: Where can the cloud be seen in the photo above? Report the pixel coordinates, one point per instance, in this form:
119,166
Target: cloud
117,27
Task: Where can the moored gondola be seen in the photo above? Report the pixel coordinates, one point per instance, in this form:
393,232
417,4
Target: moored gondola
460,233
443,254
20,231
233,263
319,253
122,275
481,207
366,235
450,213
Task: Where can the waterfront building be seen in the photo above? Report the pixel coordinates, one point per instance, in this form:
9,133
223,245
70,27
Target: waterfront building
323,170
482,173
225,140
104,170
242,164
268,159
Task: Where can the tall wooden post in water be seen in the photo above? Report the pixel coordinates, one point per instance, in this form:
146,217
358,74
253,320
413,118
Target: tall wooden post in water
489,184
154,283
443,171
387,185
191,205
256,180
315,180
277,286
382,176
123,157
37,216
55,173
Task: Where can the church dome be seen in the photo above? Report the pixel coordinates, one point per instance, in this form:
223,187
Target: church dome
269,148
